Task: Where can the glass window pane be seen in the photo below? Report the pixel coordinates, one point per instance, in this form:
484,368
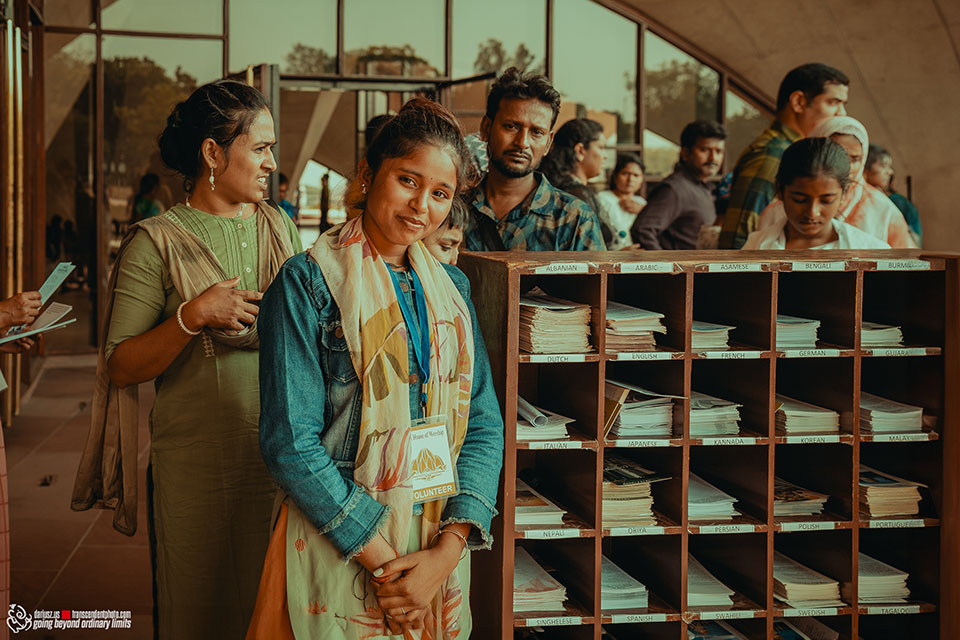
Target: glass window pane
679,89
172,16
300,37
69,13
595,67
484,39
406,38
68,122
744,122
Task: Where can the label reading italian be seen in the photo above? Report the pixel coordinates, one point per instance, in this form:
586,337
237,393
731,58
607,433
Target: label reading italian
432,473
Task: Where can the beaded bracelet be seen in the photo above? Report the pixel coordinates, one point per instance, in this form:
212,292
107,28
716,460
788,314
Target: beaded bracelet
459,535
183,326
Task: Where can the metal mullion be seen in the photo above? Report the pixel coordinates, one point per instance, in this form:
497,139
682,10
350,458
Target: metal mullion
641,84
158,34
98,173
448,39
548,53
225,32
340,56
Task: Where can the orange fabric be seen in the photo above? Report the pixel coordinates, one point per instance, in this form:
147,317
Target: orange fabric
271,620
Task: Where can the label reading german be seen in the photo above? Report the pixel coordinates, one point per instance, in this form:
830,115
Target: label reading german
628,618
549,534
910,523
563,267
558,357
647,267
788,527
727,441
733,267
726,528
731,355
645,355
638,443
554,444
903,265
892,610
727,615
636,531
811,353
557,621
813,439
818,266
896,352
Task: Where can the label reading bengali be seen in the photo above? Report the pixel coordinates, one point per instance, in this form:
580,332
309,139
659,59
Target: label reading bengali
563,267
553,622
811,353
802,613
636,531
729,267
627,618
892,610
554,444
647,267
817,266
646,355
726,528
896,352
788,527
558,357
731,355
912,523
550,534
723,442
818,439
636,443
903,265
727,615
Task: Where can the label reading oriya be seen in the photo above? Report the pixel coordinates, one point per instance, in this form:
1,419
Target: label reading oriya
903,265
807,526
553,622
647,267
627,618
818,266
558,357
818,439
636,531
636,443
727,267
896,352
801,613
811,353
646,355
727,528
554,444
912,523
721,442
892,609
727,615
563,267
731,355
550,534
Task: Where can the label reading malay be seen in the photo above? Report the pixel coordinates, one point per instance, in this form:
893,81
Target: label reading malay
802,613
811,353
912,523
807,526
637,443
903,265
627,618
892,610
731,355
550,534
558,357
817,439
554,444
723,442
730,267
901,437
726,528
646,355
817,266
896,352
727,615
636,531
647,267
563,267
557,621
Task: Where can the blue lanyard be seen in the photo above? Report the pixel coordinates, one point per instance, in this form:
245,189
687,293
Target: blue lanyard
421,347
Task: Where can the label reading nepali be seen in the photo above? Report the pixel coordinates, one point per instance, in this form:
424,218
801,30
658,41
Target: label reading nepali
896,352
563,267
912,523
731,267
726,615
558,357
731,355
549,534
788,527
903,265
646,355
891,610
811,353
554,444
647,267
724,442
557,621
636,531
817,439
817,266
726,528
628,618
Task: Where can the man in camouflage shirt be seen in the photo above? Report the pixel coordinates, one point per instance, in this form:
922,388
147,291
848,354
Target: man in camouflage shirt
515,207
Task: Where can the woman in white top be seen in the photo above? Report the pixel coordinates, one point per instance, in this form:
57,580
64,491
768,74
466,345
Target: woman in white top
812,179
620,204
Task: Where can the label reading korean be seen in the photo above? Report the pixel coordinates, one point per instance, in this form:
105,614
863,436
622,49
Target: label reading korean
647,267
788,527
730,267
645,355
892,610
726,615
558,357
901,437
637,443
557,621
563,267
811,353
636,531
726,528
817,266
896,352
550,534
911,523
627,618
731,355
723,442
812,439
802,613
554,444
903,265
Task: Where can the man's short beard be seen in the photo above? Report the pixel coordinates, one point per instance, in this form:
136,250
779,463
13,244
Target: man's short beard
510,172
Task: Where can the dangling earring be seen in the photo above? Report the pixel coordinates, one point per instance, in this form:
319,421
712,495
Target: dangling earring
363,188
212,186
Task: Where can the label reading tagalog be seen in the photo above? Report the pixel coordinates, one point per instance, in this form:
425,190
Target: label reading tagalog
628,618
891,610
556,621
818,266
732,267
558,357
647,267
903,265
563,267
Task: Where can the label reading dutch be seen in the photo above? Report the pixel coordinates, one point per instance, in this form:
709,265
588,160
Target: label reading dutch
637,443
550,534
807,526
912,523
811,353
727,528
636,531
730,267
903,265
892,610
817,266
731,355
647,267
558,621
555,444
817,439
897,352
723,442
628,618
558,357
726,615
646,355
563,267
901,437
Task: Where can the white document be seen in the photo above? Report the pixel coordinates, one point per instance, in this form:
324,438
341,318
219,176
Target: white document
703,589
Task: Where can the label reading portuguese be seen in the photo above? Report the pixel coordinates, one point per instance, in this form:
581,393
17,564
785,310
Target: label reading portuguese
911,523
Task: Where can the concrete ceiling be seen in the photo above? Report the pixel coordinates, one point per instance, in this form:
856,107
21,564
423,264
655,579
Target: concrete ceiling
903,59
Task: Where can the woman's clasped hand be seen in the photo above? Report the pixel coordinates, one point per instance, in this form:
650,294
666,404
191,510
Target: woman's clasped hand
222,306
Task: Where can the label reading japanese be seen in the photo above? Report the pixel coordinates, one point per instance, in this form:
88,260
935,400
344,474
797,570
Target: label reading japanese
558,357
636,443
647,267
563,267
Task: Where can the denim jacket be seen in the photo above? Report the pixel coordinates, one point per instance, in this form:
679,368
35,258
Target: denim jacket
310,404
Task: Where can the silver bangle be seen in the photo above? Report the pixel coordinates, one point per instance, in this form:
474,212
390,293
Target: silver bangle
183,326
438,533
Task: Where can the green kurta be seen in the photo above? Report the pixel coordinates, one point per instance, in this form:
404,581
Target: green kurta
212,493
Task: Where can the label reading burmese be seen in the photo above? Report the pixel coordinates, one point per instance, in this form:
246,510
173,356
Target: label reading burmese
563,267
903,265
647,267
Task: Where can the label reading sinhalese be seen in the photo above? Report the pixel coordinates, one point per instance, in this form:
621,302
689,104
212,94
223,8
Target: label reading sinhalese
892,610
637,531
558,357
627,618
563,267
731,267
807,526
553,622
647,267
818,266
911,523
895,352
903,265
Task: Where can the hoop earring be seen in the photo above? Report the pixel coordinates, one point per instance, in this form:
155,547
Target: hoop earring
212,185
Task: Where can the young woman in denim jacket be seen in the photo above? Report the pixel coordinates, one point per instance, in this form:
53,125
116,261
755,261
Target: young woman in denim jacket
345,371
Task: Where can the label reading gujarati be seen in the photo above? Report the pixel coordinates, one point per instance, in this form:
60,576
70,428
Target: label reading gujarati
896,352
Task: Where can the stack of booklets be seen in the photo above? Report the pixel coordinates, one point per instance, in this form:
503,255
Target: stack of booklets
618,589
634,412
50,318
874,334
882,494
879,583
793,500
706,502
784,630
533,588
552,325
801,587
627,500
703,588
796,333
795,416
810,628
707,335
534,423
881,415
533,509
710,416
631,329
712,630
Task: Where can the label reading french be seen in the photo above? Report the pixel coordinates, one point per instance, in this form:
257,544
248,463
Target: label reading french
563,267
731,355
628,618
647,267
558,357
729,267
432,473
903,265
558,621
913,523
818,266
636,531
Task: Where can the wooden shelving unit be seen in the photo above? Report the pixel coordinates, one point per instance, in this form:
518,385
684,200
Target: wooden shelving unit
918,291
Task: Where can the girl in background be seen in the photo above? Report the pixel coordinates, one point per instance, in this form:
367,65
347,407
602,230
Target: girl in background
620,204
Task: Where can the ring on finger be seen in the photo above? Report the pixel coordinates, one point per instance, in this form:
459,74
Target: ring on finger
403,611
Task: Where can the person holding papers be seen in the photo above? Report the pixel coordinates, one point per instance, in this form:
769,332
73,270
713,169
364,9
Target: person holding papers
182,310
378,415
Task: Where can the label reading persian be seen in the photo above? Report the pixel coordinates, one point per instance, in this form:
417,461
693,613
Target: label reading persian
647,267
731,355
563,267
726,528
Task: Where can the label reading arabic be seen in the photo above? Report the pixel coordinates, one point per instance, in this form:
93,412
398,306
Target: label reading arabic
637,443
726,615
728,267
627,618
646,355
647,267
788,527
901,437
896,352
563,267
636,531
555,444
723,442
557,621
727,528
802,613
811,353
892,610
550,534
818,266
731,355
818,439
911,523
903,265
558,357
